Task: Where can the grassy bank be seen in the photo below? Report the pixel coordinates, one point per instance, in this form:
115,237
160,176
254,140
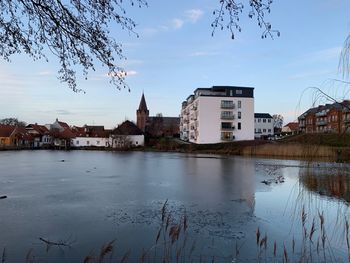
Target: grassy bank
328,147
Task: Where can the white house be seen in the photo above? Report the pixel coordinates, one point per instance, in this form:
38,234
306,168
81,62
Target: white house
218,114
126,135
90,136
263,125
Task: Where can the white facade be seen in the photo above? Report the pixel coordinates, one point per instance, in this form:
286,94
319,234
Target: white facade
263,125
218,114
120,141
90,142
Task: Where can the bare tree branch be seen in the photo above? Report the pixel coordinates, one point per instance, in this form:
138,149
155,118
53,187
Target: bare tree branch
76,31
227,16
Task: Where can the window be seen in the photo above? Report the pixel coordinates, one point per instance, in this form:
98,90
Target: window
264,120
239,92
264,130
77,142
269,130
97,142
239,115
239,126
226,136
226,125
269,120
259,130
259,120
87,142
239,104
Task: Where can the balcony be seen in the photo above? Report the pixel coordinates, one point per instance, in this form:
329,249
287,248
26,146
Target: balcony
227,106
321,114
321,123
228,128
227,117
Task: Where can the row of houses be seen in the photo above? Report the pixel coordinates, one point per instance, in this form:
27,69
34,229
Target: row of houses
329,118
61,135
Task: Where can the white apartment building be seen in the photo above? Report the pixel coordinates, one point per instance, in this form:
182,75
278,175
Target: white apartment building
263,125
218,114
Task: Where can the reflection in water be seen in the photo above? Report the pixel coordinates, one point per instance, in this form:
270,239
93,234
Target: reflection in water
334,183
96,197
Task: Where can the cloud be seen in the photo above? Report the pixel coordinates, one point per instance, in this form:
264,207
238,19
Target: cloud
177,23
123,74
64,112
194,15
149,32
45,73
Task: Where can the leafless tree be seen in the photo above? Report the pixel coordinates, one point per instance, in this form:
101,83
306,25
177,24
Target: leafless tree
76,31
13,121
227,16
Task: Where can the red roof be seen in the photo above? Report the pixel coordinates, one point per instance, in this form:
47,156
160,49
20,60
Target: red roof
41,129
294,126
91,131
63,125
6,130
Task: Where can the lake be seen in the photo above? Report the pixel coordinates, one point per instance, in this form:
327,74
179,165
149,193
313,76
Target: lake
64,206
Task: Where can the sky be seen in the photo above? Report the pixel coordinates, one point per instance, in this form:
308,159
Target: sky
175,54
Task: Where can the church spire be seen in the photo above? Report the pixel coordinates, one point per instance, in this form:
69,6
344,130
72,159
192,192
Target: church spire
142,114
143,105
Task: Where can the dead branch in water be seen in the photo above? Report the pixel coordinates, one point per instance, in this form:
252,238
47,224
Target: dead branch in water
60,244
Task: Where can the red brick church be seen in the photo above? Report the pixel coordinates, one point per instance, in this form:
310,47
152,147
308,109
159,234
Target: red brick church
156,126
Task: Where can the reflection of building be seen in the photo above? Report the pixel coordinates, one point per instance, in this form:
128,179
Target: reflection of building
329,118
263,125
218,114
328,184
155,125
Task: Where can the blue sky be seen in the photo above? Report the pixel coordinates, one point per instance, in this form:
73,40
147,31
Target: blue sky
175,54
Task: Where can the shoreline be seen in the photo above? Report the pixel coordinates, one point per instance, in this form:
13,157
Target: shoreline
267,149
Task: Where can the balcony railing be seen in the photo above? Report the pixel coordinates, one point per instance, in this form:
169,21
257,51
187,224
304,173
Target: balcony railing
321,123
227,106
227,128
227,117
321,114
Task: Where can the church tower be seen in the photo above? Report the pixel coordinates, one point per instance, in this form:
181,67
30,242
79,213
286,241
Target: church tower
142,114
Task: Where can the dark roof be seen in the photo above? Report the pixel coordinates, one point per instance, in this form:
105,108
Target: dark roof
127,128
262,115
228,91
143,105
166,121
